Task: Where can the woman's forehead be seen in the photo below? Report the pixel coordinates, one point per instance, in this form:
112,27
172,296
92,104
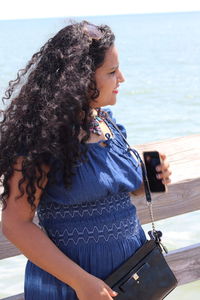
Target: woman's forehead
111,58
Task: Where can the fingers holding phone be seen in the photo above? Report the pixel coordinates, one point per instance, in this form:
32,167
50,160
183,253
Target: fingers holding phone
164,170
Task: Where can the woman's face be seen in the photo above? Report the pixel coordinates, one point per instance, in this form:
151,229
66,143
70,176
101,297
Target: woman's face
108,77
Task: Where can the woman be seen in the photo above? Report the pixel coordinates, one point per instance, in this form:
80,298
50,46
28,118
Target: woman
62,156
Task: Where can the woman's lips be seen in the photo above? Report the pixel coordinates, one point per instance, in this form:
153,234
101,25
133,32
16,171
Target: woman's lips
115,91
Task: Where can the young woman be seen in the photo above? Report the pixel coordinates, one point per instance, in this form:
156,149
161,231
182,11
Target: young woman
62,157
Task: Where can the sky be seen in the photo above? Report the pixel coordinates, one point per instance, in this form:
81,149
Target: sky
28,9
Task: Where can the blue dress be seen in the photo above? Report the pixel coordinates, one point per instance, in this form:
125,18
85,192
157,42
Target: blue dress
94,222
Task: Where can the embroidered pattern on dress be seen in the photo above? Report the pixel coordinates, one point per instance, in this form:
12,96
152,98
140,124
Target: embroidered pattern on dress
66,225
107,204
103,233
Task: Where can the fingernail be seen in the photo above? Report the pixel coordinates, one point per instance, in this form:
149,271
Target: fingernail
115,293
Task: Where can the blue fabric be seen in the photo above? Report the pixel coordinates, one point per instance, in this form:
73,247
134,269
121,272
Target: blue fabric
94,222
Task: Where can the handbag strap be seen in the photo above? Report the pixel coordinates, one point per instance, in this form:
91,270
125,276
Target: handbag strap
154,234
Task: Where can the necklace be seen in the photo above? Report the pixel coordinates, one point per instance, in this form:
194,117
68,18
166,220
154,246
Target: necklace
94,125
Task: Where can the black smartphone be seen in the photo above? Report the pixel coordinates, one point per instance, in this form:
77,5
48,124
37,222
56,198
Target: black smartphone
152,160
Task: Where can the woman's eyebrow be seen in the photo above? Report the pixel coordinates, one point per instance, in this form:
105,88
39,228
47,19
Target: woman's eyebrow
114,67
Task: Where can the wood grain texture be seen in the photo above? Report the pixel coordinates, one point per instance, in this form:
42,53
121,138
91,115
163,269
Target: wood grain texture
185,263
183,194
182,197
183,153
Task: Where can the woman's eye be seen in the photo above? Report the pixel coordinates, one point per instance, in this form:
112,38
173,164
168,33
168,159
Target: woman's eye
113,72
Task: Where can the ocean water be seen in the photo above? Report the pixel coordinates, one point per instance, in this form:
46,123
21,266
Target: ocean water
160,58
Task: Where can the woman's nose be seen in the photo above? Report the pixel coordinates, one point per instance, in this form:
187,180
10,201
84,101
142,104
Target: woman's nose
121,77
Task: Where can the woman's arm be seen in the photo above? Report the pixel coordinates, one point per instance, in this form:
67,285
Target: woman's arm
18,227
139,192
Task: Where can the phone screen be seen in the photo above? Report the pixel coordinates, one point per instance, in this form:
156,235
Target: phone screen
152,160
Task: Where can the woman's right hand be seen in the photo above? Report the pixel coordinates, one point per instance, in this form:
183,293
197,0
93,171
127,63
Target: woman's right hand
95,289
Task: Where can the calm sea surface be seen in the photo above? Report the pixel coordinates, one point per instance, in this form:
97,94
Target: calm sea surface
160,58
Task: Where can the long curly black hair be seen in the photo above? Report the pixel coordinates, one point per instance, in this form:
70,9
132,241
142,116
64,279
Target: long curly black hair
48,104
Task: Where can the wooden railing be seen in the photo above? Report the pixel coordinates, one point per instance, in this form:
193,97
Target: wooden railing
183,196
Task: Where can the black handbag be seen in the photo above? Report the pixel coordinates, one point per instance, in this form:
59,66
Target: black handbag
146,274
